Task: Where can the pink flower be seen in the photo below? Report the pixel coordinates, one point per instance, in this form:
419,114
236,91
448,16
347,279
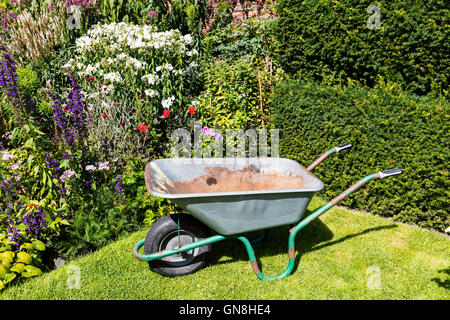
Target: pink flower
104,116
153,13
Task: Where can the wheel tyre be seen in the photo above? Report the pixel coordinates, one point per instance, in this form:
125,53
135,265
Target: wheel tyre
163,235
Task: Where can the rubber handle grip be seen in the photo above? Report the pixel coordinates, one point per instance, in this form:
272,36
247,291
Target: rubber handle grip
391,172
342,147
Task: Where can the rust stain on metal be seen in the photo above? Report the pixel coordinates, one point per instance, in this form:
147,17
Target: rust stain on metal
148,178
221,179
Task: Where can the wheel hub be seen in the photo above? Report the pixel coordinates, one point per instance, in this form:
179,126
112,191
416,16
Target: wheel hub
171,242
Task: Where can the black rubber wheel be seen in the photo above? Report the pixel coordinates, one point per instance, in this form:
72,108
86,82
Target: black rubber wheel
163,235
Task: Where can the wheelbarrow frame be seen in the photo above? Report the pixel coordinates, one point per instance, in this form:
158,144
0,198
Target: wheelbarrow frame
292,233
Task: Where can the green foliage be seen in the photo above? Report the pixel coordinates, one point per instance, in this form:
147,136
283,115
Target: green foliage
27,80
388,128
121,10
23,263
188,16
96,223
223,16
111,215
233,96
332,37
50,69
250,37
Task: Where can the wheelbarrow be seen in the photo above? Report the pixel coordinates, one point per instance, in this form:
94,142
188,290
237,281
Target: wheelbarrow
230,197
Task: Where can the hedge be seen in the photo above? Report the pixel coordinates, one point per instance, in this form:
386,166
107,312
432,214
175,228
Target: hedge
388,128
332,37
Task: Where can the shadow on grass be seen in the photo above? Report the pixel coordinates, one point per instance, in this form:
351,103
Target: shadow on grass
446,282
311,238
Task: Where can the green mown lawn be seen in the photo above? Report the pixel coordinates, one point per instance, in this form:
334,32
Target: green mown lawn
343,255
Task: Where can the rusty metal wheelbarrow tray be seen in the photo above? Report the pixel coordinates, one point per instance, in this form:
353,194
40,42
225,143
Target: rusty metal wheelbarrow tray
234,212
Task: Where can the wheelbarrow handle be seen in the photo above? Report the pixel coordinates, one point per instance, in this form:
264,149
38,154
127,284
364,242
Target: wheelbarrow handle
342,147
308,219
388,173
346,193
326,154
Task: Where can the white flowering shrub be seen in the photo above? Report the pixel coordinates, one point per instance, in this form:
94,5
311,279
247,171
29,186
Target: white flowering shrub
125,60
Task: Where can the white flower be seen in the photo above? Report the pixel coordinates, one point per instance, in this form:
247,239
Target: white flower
102,165
68,65
90,69
7,156
150,93
113,76
66,175
90,167
166,103
187,39
15,166
151,78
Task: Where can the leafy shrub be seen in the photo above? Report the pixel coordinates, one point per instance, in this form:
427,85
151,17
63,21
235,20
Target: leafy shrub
224,15
25,263
28,80
388,128
332,37
235,94
188,16
250,37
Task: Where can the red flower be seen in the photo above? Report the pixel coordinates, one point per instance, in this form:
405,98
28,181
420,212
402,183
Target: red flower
87,79
146,135
92,78
104,115
122,124
146,195
166,113
142,127
192,110
30,206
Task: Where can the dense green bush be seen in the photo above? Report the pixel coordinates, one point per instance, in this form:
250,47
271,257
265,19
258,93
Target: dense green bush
330,37
388,128
235,94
